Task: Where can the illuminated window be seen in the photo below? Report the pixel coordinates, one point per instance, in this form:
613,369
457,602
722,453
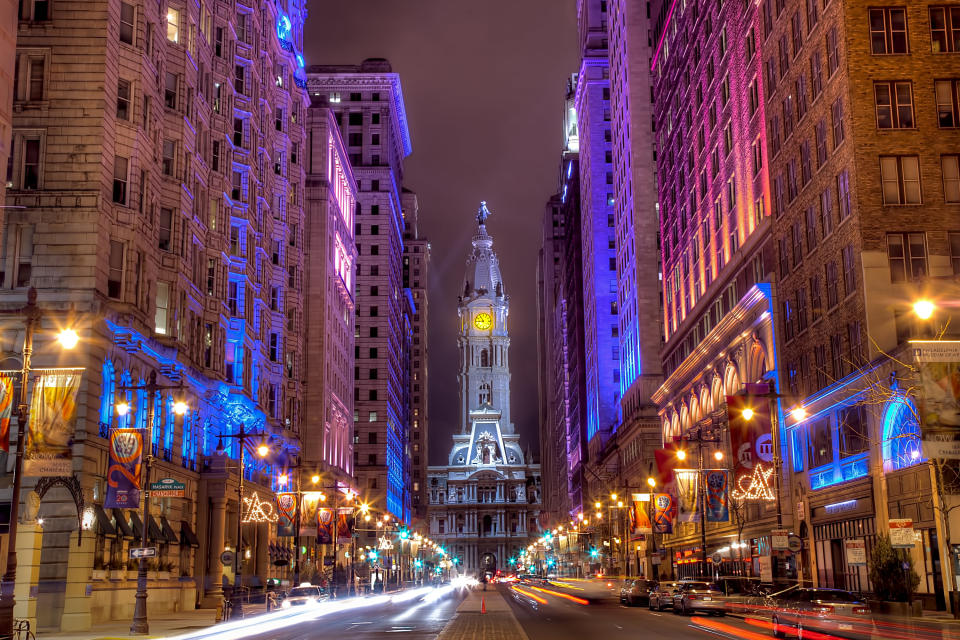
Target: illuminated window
162,314
127,22
901,435
173,25
900,179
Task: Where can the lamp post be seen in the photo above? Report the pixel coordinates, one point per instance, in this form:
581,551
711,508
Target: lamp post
68,339
241,436
701,491
140,623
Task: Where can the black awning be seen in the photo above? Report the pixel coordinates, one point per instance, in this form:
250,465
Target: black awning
168,531
187,536
123,527
153,530
137,525
273,551
104,526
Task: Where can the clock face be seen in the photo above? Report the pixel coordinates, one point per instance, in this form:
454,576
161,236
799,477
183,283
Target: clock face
482,321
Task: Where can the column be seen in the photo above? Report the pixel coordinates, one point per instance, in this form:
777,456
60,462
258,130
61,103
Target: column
77,601
29,543
261,550
218,523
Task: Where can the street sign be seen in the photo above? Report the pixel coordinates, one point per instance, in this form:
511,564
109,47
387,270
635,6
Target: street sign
856,552
937,449
779,539
168,488
717,558
766,568
143,552
226,558
794,543
901,533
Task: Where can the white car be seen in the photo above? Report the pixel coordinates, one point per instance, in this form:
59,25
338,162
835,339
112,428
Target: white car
304,595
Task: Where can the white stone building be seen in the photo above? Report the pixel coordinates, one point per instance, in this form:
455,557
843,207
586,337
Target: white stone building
485,502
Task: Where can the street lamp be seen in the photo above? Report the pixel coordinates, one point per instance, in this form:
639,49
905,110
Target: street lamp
67,339
242,435
924,309
139,624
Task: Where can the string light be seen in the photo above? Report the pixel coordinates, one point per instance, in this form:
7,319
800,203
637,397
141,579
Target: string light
756,486
258,510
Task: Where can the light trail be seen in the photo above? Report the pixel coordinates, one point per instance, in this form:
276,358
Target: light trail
567,596
532,596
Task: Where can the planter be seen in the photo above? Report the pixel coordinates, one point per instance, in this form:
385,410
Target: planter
98,574
902,609
118,574
163,575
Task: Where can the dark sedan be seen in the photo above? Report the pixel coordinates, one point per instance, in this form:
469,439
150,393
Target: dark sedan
636,592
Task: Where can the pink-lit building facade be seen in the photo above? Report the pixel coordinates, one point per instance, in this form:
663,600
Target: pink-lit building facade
330,274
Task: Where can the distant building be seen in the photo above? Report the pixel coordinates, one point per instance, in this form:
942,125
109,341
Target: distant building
416,279
8,70
367,100
485,501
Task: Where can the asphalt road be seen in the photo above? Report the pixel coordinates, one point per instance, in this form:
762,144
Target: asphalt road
603,618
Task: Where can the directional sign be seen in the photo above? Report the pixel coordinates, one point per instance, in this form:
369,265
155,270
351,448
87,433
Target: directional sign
168,488
779,539
143,552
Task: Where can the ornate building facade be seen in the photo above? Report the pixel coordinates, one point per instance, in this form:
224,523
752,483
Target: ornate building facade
486,499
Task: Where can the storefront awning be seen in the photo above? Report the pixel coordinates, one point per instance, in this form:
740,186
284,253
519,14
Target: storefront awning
187,536
137,525
168,531
104,526
123,527
154,532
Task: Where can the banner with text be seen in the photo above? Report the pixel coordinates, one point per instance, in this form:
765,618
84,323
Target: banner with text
6,407
717,495
939,401
125,469
664,511
309,516
752,445
286,514
52,423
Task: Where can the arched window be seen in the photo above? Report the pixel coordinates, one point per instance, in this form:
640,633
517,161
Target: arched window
901,435
126,380
484,358
108,386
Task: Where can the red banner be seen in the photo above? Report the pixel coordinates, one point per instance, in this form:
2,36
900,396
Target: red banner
324,526
750,438
639,521
6,410
344,530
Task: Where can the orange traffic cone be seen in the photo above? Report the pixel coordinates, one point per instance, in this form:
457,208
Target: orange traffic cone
483,605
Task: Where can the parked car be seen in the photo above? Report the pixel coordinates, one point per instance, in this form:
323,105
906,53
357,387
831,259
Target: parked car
830,611
661,595
304,595
698,596
634,592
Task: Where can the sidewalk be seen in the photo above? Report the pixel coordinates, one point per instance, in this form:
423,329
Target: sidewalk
498,623
162,625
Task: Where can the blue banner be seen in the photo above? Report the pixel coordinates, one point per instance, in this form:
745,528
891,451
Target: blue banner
718,488
125,469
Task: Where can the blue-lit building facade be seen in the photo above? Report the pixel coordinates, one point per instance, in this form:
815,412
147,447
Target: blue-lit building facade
367,101
158,186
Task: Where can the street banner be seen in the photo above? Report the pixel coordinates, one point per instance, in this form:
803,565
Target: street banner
325,524
286,514
50,429
664,511
856,550
309,513
666,463
939,401
752,446
688,496
344,527
125,469
717,495
6,408
639,520
901,533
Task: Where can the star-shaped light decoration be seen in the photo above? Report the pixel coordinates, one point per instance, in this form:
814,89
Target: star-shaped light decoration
756,486
257,510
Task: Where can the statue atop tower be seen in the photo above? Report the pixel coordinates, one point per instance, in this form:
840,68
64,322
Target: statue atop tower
483,213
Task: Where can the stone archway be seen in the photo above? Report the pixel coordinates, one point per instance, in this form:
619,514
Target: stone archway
488,563
50,504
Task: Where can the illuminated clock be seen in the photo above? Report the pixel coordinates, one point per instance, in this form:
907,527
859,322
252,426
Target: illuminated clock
483,321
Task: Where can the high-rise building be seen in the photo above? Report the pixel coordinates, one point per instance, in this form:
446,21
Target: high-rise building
367,100
329,275
562,378
416,279
486,499
602,344
635,209
8,71
155,204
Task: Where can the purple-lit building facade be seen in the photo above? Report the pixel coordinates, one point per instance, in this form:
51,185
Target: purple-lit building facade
367,100
157,184
329,276
597,218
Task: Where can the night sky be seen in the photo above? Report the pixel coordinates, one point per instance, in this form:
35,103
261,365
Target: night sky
483,84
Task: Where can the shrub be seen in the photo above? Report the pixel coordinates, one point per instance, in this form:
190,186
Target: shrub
891,572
